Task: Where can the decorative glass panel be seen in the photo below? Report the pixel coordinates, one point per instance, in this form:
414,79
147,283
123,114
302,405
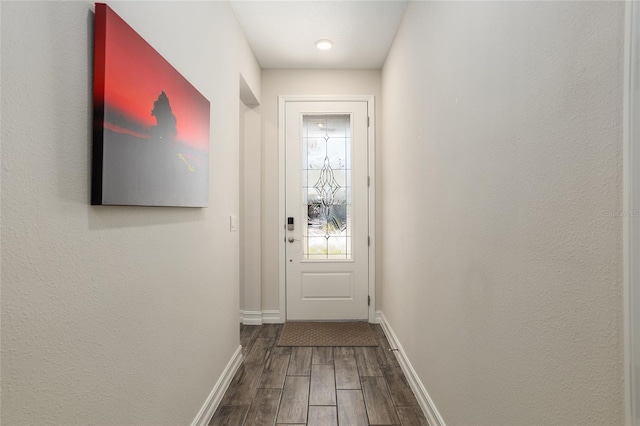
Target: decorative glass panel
326,191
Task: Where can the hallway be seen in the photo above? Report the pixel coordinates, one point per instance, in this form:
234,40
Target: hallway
316,386
504,229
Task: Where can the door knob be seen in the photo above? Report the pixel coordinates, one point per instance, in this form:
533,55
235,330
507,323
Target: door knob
291,239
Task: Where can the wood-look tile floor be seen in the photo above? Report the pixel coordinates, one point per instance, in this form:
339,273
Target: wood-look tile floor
316,386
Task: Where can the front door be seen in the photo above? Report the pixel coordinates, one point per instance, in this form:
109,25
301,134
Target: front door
326,174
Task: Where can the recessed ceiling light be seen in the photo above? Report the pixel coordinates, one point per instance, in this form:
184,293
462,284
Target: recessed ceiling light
324,44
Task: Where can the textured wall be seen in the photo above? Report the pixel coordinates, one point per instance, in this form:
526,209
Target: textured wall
111,315
294,82
501,180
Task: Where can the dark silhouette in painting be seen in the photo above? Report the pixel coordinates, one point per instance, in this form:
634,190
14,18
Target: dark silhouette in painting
166,121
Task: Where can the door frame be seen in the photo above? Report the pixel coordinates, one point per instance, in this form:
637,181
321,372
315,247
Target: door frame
631,209
371,166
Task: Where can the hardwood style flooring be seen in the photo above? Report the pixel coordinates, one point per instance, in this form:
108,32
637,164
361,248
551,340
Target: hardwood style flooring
316,386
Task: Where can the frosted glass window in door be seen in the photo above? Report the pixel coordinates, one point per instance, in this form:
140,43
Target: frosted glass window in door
326,186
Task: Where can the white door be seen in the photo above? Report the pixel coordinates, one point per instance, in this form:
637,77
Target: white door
326,207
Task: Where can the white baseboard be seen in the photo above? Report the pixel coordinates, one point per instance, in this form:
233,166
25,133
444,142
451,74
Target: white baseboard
215,397
271,317
251,317
260,317
426,403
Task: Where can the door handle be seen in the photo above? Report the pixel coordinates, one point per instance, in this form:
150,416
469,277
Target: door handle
291,239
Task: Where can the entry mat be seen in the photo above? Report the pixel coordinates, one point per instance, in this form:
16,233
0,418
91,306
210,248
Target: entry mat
327,334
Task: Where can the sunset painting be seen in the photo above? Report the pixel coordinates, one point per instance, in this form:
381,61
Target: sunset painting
150,125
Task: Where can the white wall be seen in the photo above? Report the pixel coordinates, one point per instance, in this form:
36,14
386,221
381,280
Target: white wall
250,220
501,187
112,315
294,82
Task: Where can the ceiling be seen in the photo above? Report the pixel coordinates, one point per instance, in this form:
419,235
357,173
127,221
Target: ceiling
282,34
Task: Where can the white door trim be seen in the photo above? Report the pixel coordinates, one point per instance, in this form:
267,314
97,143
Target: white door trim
282,100
631,208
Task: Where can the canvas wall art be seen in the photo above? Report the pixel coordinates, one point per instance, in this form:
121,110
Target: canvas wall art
151,126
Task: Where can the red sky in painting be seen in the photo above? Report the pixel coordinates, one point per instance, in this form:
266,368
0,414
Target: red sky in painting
135,75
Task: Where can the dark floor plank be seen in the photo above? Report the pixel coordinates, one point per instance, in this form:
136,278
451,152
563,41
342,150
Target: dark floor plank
300,363
322,355
367,360
351,408
275,371
378,331
412,416
260,351
229,416
281,350
270,331
399,389
264,408
377,400
346,369
386,357
243,386
295,400
322,416
323,385
248,334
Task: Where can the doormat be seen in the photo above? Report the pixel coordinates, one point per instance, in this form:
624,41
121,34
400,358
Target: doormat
327,334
